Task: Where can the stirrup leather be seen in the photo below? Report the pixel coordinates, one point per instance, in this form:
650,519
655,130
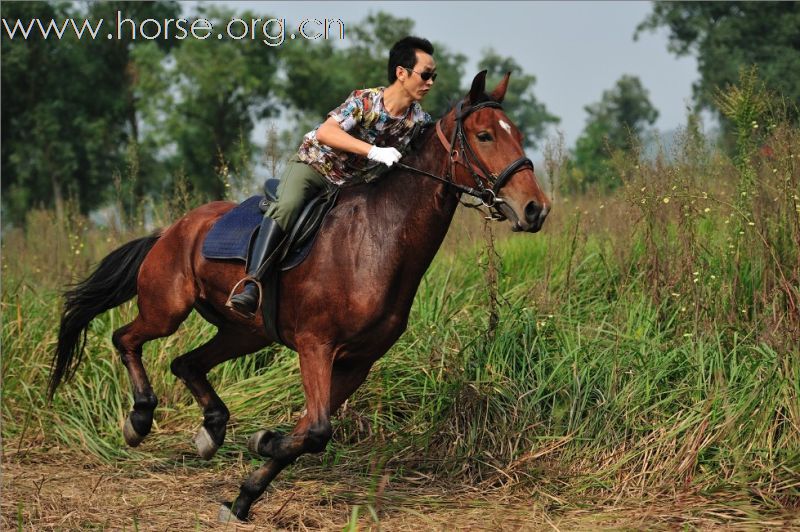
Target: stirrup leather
230,305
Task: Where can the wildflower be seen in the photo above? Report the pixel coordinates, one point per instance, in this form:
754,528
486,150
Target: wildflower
751,223
601,206
713,277
666,199
707,209
675,294
643,189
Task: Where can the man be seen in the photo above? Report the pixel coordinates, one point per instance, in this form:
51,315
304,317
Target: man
360,139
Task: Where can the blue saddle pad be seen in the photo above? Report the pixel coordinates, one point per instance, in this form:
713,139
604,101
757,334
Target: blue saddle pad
229,237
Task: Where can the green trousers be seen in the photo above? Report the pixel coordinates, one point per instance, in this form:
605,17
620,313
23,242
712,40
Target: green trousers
298,184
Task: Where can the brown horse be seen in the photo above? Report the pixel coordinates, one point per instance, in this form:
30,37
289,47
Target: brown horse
341,309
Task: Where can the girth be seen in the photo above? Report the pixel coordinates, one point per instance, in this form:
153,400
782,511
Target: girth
295,250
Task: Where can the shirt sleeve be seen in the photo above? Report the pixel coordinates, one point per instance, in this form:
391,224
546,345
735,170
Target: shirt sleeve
350,112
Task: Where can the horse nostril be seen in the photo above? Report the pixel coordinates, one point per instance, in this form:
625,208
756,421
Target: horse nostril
532,212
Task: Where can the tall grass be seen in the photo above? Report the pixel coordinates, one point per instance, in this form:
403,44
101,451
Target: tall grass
646,343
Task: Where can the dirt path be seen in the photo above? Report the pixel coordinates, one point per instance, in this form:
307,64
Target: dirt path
56,491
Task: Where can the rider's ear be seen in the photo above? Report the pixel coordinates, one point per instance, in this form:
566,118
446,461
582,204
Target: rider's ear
499,92
478,87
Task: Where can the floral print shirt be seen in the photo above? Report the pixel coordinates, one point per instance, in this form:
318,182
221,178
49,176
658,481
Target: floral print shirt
363,116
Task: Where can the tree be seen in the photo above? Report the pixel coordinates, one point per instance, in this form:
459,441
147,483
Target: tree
614,123
67,115
320,76
521,105
729,36
202,101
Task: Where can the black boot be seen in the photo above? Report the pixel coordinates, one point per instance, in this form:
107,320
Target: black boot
263,253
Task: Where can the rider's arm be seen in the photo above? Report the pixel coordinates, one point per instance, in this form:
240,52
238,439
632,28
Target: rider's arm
331,134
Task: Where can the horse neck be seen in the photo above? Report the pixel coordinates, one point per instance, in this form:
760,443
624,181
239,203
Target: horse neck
418,208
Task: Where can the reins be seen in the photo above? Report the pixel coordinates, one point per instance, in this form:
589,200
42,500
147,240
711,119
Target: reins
469,160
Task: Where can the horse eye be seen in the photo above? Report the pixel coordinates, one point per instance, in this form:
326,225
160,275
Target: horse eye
484,136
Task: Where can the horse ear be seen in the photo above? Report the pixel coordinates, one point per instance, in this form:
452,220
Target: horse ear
478,87
499,92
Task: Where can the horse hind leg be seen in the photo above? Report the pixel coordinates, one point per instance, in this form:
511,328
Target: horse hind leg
193,367
129,340
164,301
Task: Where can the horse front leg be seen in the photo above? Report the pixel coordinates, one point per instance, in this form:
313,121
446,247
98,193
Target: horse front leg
311,434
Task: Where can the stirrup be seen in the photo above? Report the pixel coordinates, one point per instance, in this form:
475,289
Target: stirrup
236,311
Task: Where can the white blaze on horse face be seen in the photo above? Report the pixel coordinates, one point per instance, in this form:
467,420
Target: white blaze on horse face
505,126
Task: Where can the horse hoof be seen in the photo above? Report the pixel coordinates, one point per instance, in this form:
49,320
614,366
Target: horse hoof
132,438
206,447
226,516
254,440
259,440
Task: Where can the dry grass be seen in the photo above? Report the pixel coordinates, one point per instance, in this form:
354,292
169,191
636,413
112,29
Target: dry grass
58,489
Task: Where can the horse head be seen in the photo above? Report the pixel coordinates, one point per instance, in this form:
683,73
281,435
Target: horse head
486,151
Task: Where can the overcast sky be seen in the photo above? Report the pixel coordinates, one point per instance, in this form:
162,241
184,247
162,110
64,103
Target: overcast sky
576,50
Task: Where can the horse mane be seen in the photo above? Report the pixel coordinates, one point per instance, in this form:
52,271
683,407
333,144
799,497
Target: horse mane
417,157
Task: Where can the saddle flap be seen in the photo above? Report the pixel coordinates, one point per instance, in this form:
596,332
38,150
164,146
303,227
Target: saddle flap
305,230
271,189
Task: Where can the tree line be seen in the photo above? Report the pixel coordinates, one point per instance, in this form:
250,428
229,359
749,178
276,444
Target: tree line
86,119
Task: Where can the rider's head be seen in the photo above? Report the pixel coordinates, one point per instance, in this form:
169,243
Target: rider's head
410,61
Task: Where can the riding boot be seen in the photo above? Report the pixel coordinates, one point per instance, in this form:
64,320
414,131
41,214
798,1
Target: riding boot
263,253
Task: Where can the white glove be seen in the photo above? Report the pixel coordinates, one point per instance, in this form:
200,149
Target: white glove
387,156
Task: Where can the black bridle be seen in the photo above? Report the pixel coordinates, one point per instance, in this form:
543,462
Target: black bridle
466,157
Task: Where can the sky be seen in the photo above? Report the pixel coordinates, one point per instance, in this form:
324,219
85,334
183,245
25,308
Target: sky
576,50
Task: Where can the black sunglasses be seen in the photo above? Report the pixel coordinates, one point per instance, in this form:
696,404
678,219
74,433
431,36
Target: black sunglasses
424,75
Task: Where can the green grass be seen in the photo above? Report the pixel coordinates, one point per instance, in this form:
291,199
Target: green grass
647,347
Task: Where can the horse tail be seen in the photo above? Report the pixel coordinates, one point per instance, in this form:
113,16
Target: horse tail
112,283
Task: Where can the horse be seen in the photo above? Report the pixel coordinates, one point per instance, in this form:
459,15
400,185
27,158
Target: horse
340,310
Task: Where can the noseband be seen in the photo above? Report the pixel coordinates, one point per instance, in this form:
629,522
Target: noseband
460,152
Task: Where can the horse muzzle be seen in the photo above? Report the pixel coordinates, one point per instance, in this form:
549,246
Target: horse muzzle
532,218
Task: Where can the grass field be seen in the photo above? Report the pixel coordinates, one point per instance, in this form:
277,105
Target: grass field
635,365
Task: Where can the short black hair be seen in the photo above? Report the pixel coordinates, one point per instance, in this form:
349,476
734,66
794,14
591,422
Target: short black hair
404,54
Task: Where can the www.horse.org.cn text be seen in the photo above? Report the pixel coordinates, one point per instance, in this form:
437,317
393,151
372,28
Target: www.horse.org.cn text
270,31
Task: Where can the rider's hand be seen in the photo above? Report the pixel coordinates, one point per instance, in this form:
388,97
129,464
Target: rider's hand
387,156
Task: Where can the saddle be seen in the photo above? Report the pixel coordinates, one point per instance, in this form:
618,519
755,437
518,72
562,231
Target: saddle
232,235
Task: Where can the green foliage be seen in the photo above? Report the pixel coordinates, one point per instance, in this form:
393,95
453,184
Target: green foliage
60,139
641,346
615,124
728,36
202,100
521,105
320,75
